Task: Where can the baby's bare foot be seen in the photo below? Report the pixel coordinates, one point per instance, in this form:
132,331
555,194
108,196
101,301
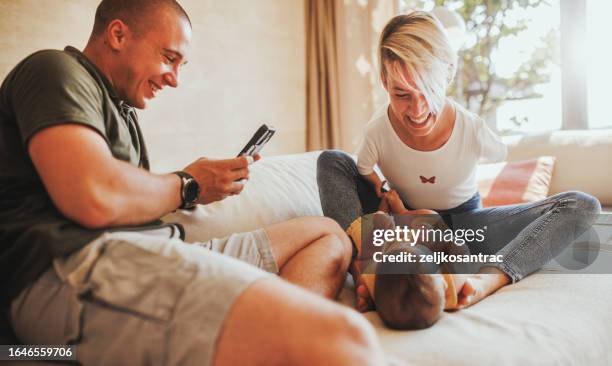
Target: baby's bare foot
479,286
364,300
471,293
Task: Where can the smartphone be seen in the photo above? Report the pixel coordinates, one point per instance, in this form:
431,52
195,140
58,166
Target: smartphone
259,139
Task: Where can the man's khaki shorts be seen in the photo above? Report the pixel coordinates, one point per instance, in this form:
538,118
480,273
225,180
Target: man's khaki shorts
129,298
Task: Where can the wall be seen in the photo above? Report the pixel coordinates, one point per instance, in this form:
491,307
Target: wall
246,67
361,93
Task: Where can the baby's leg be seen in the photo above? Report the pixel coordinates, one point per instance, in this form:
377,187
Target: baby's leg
384,205
362,228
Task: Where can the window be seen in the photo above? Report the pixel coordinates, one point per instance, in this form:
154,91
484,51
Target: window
599,56
509,70
540,110
570,75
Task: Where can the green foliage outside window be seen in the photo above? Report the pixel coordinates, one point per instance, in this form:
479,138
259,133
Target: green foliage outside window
477,85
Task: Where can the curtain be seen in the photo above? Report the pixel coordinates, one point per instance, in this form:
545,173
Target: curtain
322,108
342,77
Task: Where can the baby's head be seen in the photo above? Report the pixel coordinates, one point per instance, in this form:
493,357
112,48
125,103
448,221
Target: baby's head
412,299
416,304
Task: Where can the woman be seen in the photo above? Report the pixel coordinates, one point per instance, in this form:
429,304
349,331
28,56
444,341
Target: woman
427,146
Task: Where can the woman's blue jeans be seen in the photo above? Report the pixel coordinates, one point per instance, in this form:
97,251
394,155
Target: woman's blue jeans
527,235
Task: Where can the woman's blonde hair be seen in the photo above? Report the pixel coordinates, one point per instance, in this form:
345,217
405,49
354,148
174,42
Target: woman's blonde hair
417,43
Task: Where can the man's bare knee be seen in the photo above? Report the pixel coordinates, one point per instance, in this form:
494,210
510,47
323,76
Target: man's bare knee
331,227
340,247
336,253
290,237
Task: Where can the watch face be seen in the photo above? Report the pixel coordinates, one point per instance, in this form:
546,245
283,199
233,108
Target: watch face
192,191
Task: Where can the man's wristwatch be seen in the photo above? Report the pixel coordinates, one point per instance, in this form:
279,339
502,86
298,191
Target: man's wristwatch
190,190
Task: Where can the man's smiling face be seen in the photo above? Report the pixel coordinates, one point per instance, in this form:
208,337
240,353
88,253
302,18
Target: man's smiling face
152,58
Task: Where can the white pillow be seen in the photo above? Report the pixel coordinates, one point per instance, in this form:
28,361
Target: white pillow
279,188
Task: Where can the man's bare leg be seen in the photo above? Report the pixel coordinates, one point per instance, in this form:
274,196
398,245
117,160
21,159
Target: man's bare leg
276,323
311,252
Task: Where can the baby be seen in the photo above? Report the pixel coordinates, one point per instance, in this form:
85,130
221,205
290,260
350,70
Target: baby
413,300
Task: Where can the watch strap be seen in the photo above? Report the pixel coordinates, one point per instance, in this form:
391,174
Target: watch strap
184,177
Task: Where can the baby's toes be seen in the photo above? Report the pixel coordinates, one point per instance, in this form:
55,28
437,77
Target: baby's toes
468,288
468,294
364,301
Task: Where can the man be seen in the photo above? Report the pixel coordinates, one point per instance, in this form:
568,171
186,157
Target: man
84,259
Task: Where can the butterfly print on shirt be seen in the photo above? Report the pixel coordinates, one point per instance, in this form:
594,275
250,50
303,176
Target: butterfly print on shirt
431,180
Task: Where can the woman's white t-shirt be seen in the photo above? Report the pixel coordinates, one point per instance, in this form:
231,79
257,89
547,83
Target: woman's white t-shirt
439,179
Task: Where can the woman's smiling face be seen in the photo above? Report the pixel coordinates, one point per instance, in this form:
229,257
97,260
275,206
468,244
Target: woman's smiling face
408,105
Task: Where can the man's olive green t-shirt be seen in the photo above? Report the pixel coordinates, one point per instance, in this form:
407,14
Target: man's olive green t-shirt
48,88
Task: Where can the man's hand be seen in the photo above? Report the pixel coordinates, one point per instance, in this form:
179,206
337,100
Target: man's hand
220,178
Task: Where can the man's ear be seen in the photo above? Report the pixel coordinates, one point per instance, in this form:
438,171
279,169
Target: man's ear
116,32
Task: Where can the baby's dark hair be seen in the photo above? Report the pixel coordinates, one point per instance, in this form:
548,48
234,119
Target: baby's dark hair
408,299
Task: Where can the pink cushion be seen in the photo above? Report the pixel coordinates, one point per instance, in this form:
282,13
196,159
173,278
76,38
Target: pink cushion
515,182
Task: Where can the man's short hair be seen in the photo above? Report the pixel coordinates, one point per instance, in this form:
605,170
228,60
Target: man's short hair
132,13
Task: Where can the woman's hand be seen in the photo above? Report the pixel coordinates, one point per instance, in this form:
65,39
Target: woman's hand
396,205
